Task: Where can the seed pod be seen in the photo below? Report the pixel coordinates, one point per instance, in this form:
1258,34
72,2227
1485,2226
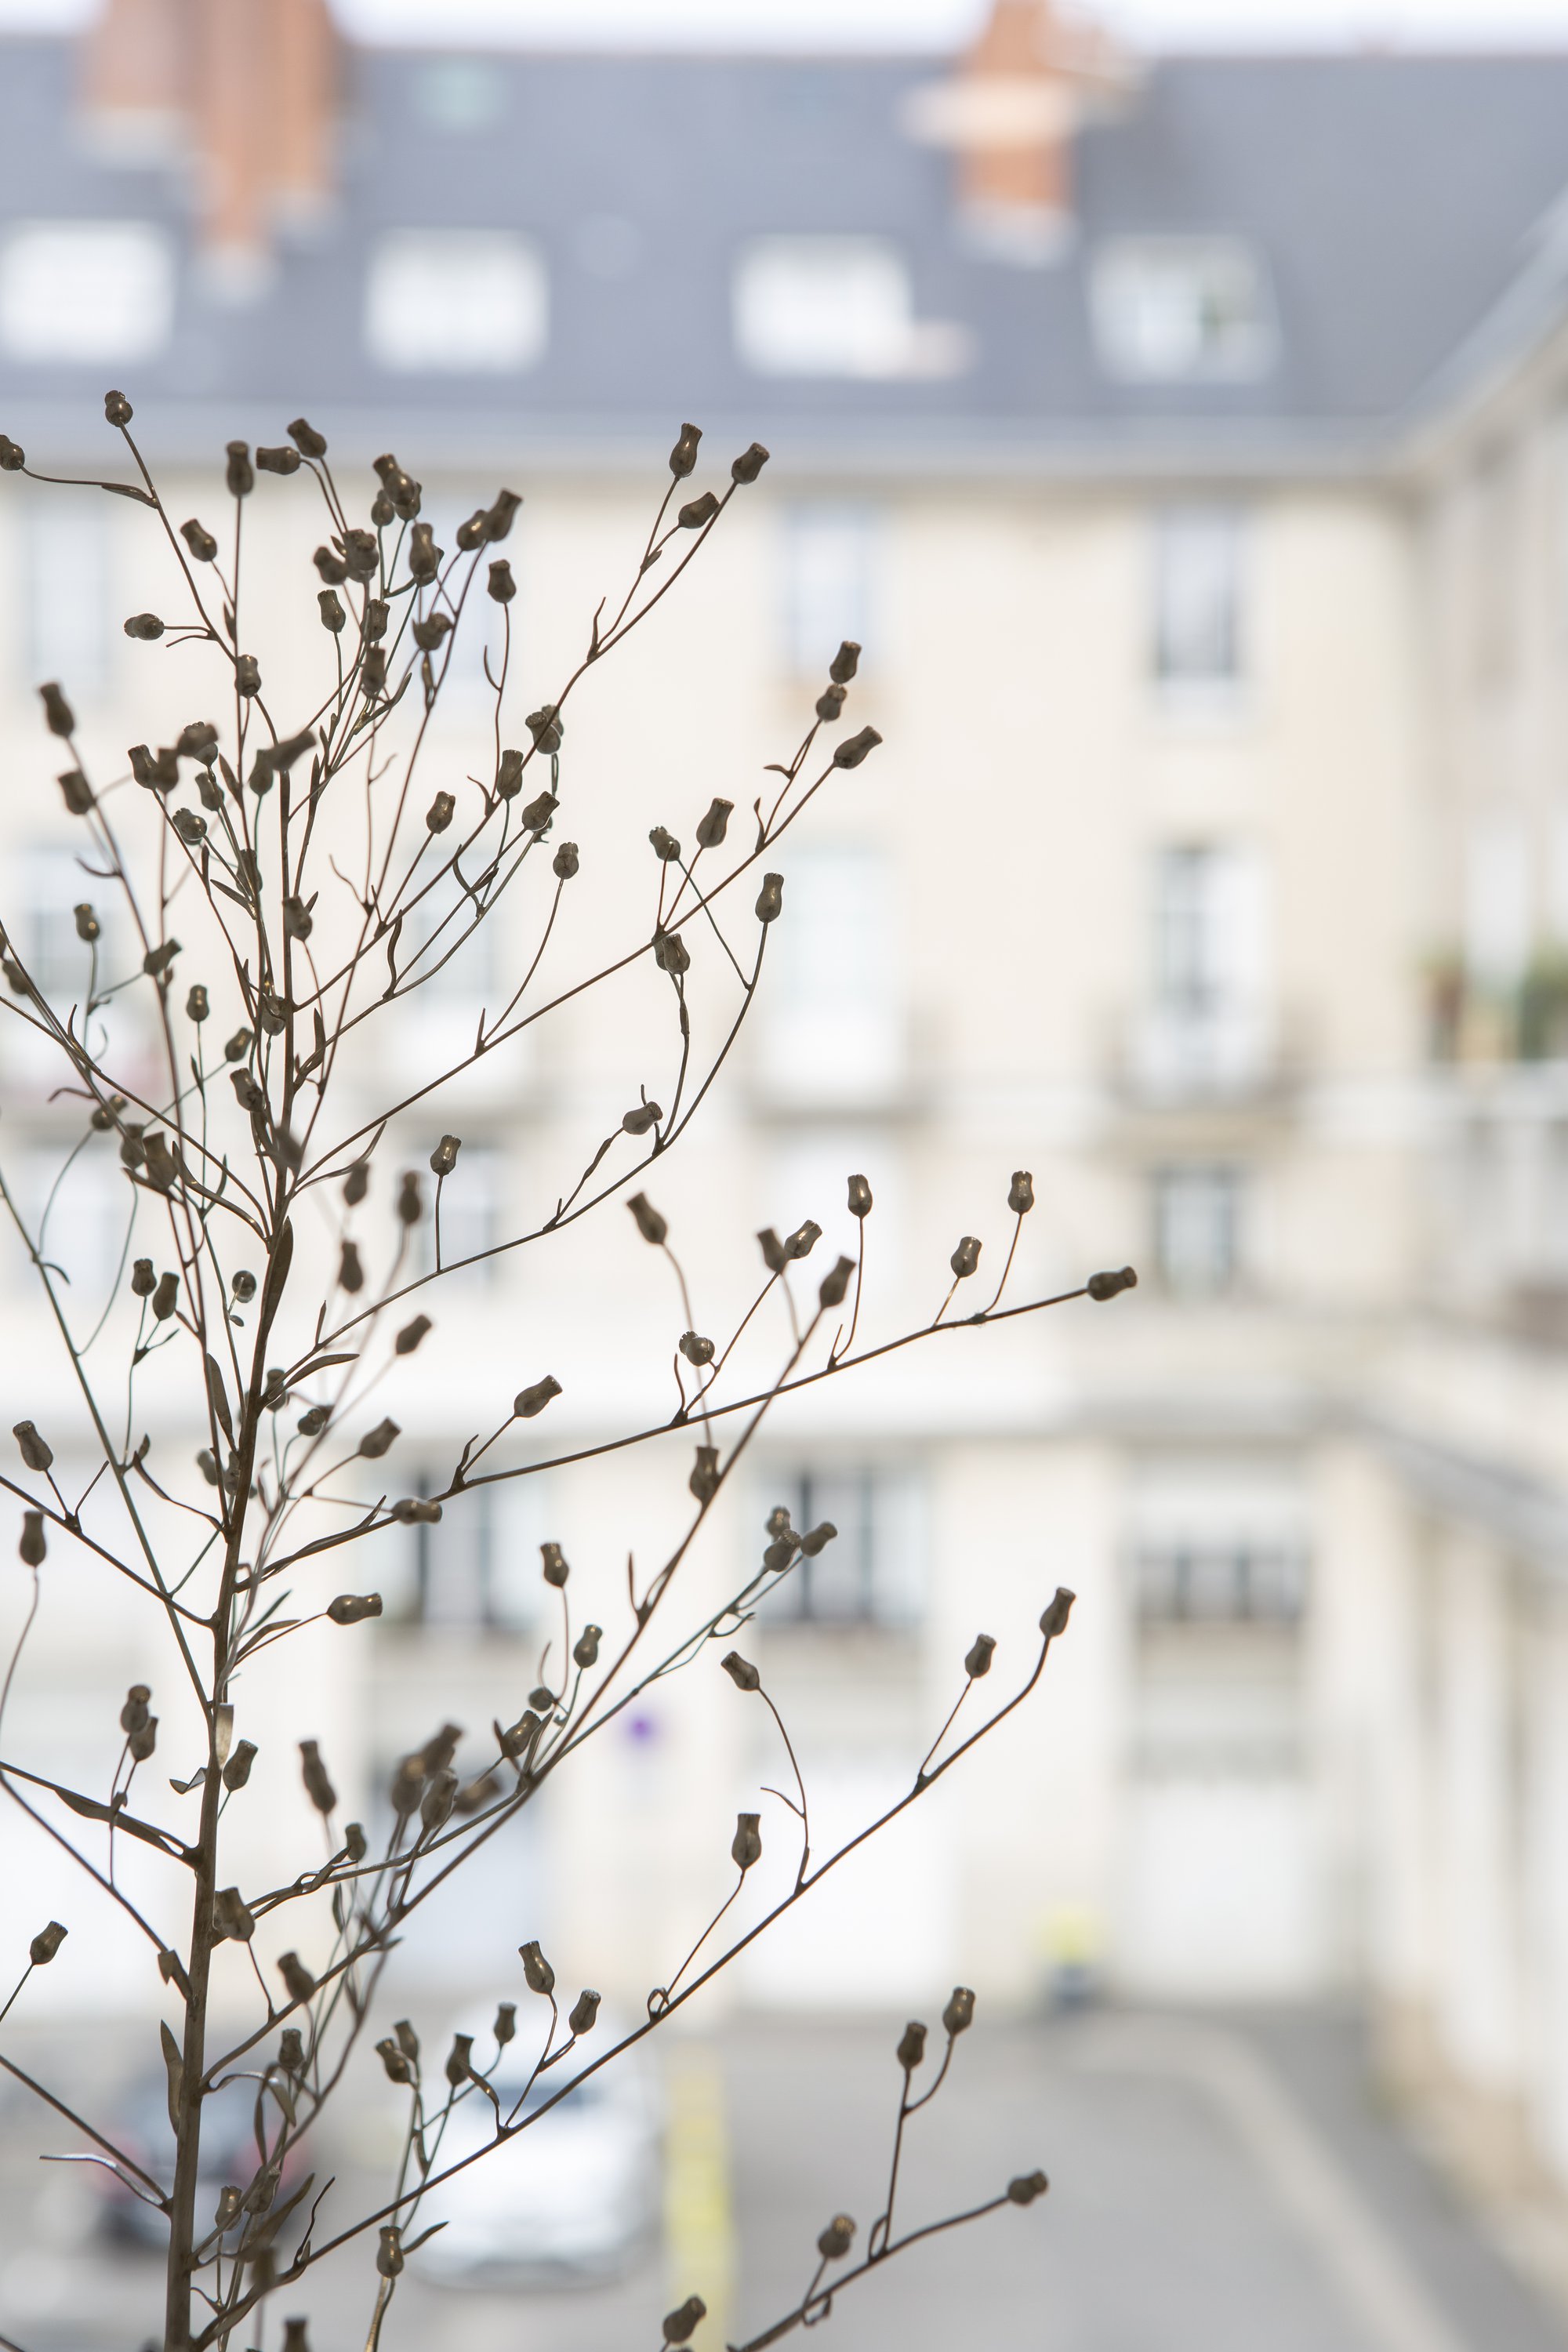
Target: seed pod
35,1452
313,1420
670,953
773,1250
585,2012
292,2058
638,1120
142,1278
313,1772
133,1715
407,2041
147,626
301,1984
350,1273
770,899
333,616
649,1224
585,1648
830,704
247,674
306,439
742,1673
664,846
408,1339
1058,1610
977,1661
243,1287
410,1200
1107,1285
546,727
436,1805
248,1094
697,512
196,1005
680,2326
1026,2187
398,2069
965,1257
275,1395
331,567
563,865
133,1150
749,464
355,1845
444,1159
298,919
536,1969
362,555
683,456
505,2028
509,776
500,587
521,1736
746,1845
817,1538
856,748
835,2240
158,960
377,614
1021,1194
711,828
238,474
33,1549
695,1349
379,1440
538,813
556,1569
704,1480
498,517
414,1511
46,1943
143,1741
389,2251
237,1771
117,408
803,1241
238,1045
12,456
428,633
835,1285
353,1608
424,555
59,716
77,792
911,2047
440,813
277,461
166,1298
232,1916
959,2015
356,1183
532,1401
207,1462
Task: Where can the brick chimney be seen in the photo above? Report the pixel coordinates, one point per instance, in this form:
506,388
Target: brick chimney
242,91
1010,111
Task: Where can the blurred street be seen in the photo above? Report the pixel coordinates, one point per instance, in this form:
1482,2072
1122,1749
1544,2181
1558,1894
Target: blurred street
1219,2183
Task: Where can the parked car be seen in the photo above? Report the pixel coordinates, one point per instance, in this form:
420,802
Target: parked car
577,2194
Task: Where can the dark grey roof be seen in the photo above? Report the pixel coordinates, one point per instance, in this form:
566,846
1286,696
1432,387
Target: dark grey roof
1392,199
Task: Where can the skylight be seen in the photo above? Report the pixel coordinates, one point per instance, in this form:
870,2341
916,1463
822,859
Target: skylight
456,302
86,292
1173,309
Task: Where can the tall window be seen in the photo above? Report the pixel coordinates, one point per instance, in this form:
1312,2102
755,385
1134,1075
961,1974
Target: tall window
872,1573
1197,1230
66,550
1219,1541
1198,621
1208,917
830,1028
477,1566
830,581
471,1200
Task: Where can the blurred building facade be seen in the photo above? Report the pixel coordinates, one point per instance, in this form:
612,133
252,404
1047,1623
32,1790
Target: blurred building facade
1187,445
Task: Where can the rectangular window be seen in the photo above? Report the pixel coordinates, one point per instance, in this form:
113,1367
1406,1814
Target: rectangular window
456,302
1197,1230
1208,1023
837,306
1173,309
478,1565
1218,1543
872,1571
470,1219
829,563
831,1030
1198,636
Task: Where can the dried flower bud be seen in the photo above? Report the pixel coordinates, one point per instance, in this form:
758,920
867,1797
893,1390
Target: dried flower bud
704,1480
46,1943
362,555
355,1845
439,814
313,1420
133,1715
965,1257
301,1984
377,614
817,1538
278,460
911,2047
697,512
536,1969
835,2240
585,1648
440,1796
836,1285
166,1297
664,846
521,1736
850,753
556,1569
830,705
76,791
298,919
408,1339
207,1462
695,1349
243,1287
306,439
746,1845
133,1150
414,1511
428,633
333,616
350,1273
331,567
977,1661
502,587
356,1183
1108,1285
12,456
770,899
59,716
117,408
146,626
378,1441
679,2326
749,464
585,2012
398,2069
803,1241
353,1608
389,2251
649,1224
33,1549
544,1699
410,1201
35,1452
1026,2187
238,1046
247,674
532,1401
499,518
563,865
773,1250
645,1114
959,2015
1021,1195
313,1772
407,2041
237,1771
444,1159
740,1671
424,555
238,474
232,1916
292,2058
509,776
142,1278
683,456
158,960
547,728
670,953
1058,1610
275,1394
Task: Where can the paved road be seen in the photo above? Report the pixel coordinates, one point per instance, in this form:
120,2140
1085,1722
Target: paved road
1218,2185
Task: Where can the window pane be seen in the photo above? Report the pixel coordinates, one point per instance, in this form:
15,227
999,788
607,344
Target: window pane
829,563
68,636
86,292
456,302
1172,309
1196,1238
1197,596
872,1572
823,306
830,1026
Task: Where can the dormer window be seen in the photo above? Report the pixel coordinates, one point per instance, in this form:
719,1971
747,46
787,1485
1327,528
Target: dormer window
837,306
456,302
1182,310
88,293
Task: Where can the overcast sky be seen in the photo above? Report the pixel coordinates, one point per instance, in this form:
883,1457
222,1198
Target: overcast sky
924,23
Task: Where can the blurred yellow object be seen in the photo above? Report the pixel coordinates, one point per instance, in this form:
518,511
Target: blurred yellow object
699,2228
